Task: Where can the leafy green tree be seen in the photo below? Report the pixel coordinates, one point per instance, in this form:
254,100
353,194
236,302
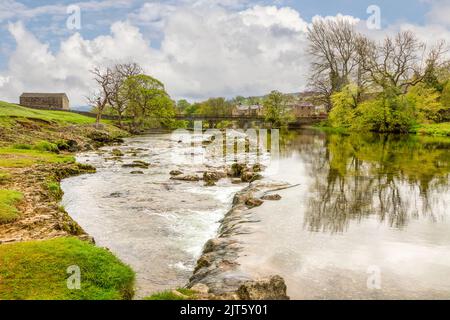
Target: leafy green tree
149,103
344,104
387,113
277,110
183,105
426,102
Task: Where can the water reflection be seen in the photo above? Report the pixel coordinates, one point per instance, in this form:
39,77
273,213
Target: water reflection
391,177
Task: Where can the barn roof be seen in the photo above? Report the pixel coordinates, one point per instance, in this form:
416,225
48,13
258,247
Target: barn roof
42,95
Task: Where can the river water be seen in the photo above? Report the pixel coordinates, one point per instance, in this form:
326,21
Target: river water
368,216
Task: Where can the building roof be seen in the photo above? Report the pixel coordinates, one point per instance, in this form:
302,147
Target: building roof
246,107
42,95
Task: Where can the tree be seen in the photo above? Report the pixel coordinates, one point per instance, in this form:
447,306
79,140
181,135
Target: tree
344,106
148,101
100,98
277,110
399,62
118,97
182,106
332,45
425,101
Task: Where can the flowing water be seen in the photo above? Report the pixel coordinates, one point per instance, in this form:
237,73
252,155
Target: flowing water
368,218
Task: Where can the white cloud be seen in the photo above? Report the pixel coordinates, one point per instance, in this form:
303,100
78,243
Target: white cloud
10,9
206,51
439,13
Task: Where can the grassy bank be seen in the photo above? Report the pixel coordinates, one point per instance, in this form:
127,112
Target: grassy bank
37,149
39,270
432,129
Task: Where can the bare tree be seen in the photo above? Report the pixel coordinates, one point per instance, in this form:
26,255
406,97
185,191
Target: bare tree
333,49
118,98
100,99
399,62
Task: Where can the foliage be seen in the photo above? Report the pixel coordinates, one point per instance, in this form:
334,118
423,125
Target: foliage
344,105
426,102
148,100
46,146
276,109
38,270
445,97
8,202
385,114
434,129
54,188
214,107
224,124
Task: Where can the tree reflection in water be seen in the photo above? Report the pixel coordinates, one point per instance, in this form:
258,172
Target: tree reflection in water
394,178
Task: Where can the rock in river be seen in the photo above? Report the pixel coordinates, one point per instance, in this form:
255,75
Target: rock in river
272,197
187,177
175,172
272,288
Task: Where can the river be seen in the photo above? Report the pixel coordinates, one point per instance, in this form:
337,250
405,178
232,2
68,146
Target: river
367,216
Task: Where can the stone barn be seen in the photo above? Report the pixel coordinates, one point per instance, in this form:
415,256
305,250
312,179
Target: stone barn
45,100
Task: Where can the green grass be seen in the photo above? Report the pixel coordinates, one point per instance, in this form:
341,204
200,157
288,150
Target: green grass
37,270
8,110
8,209
4,177
20,158
54,188
169,295
435,129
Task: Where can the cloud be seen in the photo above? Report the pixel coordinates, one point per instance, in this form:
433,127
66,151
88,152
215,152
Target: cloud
10,9
205,51
439,13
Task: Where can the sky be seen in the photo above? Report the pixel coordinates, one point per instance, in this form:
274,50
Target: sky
198,48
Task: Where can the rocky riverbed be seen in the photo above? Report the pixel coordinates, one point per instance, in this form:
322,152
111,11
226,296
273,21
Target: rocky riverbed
154,212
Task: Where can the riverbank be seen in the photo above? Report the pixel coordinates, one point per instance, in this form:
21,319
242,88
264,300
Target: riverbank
37,151
430,129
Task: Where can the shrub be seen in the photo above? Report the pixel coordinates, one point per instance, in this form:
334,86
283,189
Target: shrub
46,146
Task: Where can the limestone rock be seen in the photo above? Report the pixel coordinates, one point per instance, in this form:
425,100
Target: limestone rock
117,153
249,176
272,288
192,178
271,197
253,202
200,288
175,172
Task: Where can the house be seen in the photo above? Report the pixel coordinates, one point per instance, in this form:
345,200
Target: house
303,109
247,110
45,100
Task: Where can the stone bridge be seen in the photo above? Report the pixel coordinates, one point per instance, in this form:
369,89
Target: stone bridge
246,121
